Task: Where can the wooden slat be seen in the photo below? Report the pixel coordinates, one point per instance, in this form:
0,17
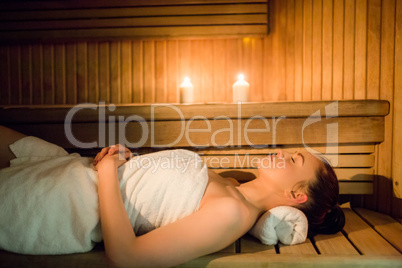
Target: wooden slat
335,244
397,125
365,239
303,248
43,5
360,56
250,244
136,22
338,50
341,149
390,229
161,20
349,37
355,174
355,187
139,32
132,12
252,161
201,133
327,49
349,174
366,108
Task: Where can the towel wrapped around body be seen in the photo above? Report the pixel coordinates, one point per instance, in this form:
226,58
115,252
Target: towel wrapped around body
49,200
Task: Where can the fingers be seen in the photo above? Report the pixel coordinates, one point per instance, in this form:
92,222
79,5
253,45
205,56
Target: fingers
111,150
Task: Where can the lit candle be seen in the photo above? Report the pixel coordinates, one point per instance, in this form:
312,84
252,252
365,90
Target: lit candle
240,90
186,91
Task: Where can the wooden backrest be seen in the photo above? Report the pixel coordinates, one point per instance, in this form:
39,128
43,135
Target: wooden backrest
69,20
231,138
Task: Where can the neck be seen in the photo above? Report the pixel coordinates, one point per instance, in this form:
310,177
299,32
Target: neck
261,196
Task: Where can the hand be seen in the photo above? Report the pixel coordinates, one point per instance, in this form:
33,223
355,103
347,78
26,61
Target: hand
118,153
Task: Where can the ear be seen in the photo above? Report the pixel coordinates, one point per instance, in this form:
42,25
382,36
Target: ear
297,196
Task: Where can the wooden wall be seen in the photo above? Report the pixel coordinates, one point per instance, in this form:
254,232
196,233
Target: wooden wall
315,50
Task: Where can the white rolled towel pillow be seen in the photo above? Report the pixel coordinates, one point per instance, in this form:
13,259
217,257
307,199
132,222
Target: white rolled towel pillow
287,224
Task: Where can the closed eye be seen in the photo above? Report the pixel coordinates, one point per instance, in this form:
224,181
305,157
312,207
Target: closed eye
293,159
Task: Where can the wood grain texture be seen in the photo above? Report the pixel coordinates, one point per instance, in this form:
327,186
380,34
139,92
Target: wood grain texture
348,49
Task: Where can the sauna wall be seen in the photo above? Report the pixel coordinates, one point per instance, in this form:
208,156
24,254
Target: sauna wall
315,50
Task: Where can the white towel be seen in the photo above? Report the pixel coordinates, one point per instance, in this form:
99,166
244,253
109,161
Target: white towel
286,224
160,188
49,200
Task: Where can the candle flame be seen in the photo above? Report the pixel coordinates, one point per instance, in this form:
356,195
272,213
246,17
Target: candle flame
186,82
241,77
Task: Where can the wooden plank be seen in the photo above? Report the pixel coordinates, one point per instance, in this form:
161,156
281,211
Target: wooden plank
5,75
26,67
218,93
397,122
307,49
279,50
93,72
206,133
327,47
341,149
317,51
295,260
37,74
355,174
149,71
298,50
303,248
250,244
139,32
171,21
104,72
290,51
15,72
253,161
344,174
171,72
365,239
82,72
48,74
397,113
373,48
132,12
335,244
390,229
71,74
360,49
117,3
160,72
366,108
115,72
338,50
387,92
350,187
126,72
138,70
349,50
60,73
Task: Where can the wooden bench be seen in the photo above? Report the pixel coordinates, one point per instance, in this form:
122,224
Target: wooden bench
229,137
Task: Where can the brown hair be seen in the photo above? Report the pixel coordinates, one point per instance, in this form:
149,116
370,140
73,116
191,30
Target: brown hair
322,209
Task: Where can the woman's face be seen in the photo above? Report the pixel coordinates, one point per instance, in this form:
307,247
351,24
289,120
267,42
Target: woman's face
284,170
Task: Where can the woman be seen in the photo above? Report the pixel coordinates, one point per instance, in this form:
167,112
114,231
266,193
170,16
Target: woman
227,210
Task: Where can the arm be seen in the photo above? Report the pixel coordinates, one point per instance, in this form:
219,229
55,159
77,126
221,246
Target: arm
112,211
193,236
